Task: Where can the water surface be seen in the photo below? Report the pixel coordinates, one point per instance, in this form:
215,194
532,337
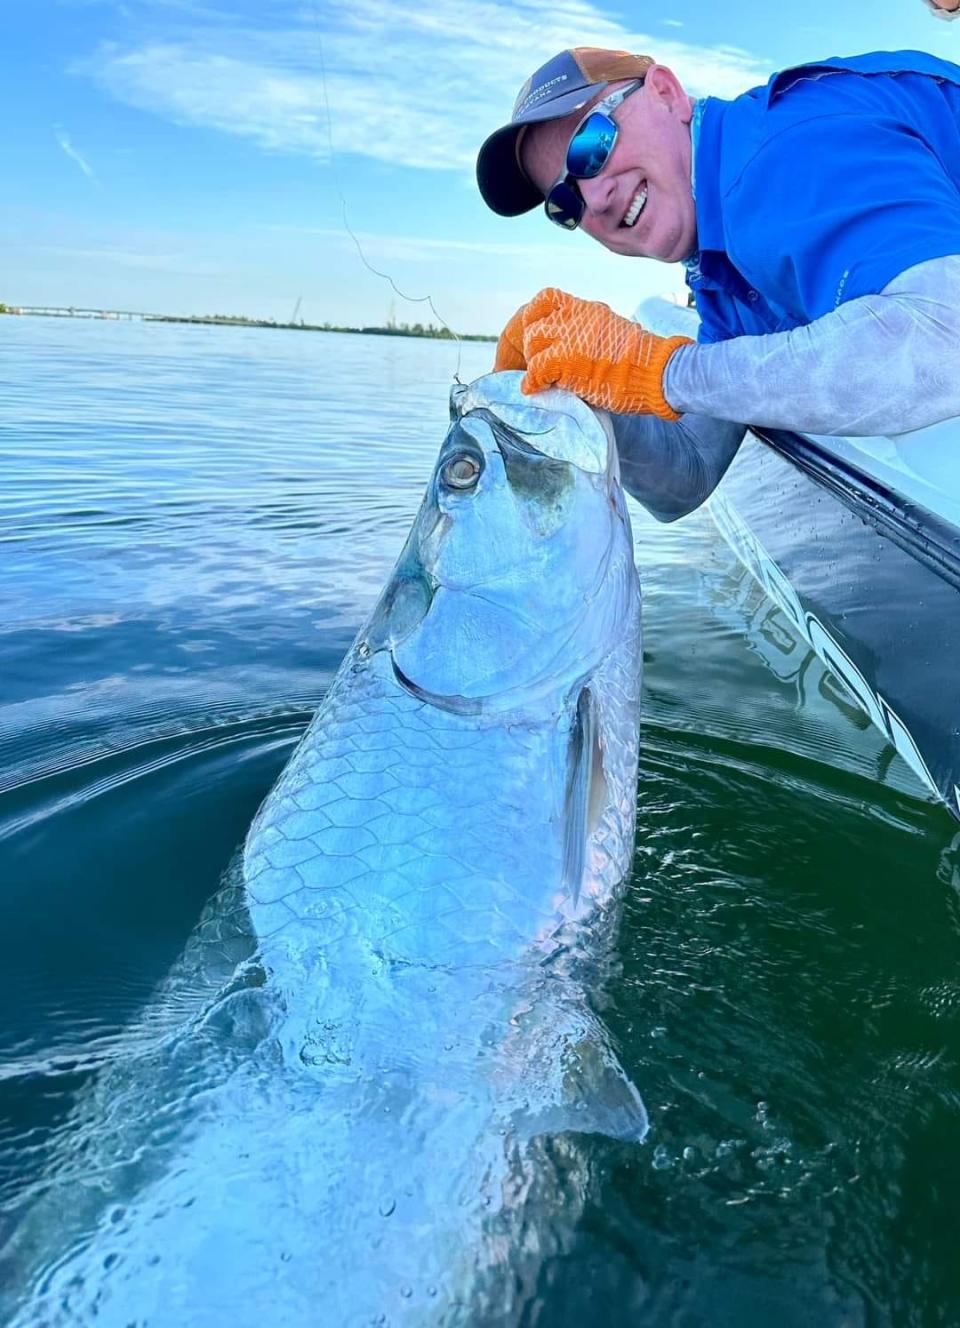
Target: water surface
193,524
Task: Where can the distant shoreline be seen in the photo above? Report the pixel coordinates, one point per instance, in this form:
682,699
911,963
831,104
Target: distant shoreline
397,330
226,320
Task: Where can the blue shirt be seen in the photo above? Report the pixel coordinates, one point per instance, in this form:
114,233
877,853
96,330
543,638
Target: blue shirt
821,187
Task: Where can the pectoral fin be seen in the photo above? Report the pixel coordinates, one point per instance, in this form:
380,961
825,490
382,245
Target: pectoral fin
586,792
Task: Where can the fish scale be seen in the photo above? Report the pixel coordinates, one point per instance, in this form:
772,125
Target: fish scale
387,855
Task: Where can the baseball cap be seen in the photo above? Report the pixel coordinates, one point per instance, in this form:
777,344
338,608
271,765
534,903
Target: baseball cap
562,85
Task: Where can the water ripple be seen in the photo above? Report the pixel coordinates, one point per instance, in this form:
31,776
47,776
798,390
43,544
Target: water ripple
194,524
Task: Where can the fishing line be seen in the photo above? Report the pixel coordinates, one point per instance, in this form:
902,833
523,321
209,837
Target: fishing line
384,276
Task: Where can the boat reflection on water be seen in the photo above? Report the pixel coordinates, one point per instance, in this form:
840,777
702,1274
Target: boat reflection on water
833,725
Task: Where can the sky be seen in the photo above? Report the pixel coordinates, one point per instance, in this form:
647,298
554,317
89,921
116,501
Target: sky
200,156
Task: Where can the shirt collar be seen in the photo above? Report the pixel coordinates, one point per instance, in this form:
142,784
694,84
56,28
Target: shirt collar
692,264
706,129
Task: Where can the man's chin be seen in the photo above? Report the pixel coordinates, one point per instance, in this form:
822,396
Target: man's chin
629,248
634,247
669,253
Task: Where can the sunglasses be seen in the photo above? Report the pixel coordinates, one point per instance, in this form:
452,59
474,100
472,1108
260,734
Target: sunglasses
587,153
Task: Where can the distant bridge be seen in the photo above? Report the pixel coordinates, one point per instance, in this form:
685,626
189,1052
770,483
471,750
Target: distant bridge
71,311
137,315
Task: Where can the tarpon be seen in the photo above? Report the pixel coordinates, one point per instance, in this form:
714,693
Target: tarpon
366,1120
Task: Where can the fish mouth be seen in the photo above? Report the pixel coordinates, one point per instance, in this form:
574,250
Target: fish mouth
531,423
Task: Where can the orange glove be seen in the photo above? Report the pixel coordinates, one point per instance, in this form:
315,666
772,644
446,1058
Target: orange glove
510,346
585,347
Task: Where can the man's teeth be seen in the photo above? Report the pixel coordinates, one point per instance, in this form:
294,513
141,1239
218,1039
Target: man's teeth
635,208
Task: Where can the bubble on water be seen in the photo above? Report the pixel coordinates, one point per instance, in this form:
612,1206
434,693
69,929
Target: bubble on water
387,1205
431,1291
662,1160
406,1291
689,1154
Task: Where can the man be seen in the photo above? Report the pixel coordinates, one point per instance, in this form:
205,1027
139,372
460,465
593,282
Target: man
819,221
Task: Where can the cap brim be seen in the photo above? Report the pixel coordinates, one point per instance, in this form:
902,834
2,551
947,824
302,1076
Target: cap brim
502,183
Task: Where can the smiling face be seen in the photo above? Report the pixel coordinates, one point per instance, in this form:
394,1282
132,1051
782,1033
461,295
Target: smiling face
652,154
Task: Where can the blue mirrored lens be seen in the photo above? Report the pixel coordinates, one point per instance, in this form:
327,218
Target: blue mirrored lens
591,145
564,206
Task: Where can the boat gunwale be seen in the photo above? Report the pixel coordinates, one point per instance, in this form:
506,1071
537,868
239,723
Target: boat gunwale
923,534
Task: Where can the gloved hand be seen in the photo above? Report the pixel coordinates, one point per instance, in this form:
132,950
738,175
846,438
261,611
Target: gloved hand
583,346
510,346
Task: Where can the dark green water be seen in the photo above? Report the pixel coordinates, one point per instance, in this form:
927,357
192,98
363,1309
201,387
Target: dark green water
193,524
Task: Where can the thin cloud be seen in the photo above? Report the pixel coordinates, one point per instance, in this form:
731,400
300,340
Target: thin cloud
413,85
63,140
135,259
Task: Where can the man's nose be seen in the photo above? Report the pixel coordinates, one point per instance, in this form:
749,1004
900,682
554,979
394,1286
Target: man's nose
598,192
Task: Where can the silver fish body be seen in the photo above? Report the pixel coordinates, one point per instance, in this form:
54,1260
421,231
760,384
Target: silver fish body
432,891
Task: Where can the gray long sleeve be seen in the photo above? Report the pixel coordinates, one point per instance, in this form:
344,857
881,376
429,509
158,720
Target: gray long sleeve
671,467
881,364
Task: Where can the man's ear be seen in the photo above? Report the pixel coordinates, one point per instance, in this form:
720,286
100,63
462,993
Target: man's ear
667,91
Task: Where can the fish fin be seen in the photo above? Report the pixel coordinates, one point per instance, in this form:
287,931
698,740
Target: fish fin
602,1098
586,792
592,1092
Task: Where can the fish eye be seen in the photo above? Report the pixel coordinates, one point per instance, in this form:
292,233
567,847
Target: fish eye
461,471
